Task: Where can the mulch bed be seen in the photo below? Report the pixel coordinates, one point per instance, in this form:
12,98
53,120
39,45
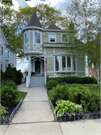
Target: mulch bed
10,109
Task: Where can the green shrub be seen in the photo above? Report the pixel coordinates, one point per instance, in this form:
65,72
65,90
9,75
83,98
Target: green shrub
11,84
8,95
58,93
82,95
58,79
2,111
67,107
9,73
88,80
50,84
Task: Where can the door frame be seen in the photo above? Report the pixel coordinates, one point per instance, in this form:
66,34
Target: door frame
40,66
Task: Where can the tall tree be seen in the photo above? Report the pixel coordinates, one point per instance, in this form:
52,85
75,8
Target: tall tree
86,15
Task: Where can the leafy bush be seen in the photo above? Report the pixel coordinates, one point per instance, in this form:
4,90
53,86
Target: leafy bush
8,95
11,84
58,93
67,107
82,95
9,73
58,79
72,79
51,84
88,80
2,111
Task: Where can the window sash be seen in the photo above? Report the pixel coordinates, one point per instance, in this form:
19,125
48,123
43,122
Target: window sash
63,63
64,38
57,63
37,37
68,63
52,37
26,38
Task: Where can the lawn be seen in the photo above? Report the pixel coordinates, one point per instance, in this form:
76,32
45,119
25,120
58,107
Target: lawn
21,95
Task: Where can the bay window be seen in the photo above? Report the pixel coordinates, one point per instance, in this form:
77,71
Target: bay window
57,63
63,63
68,63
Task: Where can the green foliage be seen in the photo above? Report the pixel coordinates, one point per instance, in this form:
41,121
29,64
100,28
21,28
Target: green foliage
47,78
8,95
82,95
58,79
50,84
58,93
74,79
26,72
67,107
21,95
2,111
11,84
2,75
9,73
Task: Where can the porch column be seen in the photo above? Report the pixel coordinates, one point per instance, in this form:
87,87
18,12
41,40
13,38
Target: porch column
29,65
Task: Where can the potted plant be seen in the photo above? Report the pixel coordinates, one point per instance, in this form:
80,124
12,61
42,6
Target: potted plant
33,74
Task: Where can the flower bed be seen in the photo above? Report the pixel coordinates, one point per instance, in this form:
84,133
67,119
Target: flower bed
78,116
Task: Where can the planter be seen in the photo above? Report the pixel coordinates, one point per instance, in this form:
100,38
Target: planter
78,116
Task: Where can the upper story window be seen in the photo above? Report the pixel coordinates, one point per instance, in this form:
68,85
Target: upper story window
37,37
2,50
7,53
26,38
64,38
52,37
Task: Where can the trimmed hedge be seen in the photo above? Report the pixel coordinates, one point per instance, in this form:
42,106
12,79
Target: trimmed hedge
75,79
51,84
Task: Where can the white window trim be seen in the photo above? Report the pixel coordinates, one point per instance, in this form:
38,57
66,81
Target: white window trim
62,37
40,37
49,37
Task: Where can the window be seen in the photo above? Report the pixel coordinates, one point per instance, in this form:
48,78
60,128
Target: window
37,37
52,37
57,63
63,63
74,66
68,63
1,50
26,38
64,38
7,53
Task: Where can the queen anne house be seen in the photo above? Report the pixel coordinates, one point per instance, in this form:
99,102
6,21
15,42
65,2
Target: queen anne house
49,43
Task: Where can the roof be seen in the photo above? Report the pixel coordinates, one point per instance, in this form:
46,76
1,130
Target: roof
52,26
11,48
34,21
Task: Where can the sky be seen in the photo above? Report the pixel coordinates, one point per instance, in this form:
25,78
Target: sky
57,4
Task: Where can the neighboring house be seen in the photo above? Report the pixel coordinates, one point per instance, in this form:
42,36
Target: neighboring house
91,71
7,54
49,43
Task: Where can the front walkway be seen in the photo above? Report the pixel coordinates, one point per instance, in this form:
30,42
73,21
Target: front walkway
36,118
35,107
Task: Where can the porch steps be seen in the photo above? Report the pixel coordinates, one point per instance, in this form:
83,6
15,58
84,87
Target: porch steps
37,82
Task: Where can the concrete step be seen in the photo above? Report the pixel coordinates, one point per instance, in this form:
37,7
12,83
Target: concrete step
37,82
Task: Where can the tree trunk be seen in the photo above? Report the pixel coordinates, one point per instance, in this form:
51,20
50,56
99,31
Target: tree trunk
97,73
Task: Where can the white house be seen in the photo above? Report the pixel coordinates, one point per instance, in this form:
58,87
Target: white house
7,54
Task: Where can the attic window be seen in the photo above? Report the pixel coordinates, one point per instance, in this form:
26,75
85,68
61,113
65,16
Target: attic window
52,37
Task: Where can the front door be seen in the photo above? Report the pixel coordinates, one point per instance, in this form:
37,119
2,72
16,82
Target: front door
37,67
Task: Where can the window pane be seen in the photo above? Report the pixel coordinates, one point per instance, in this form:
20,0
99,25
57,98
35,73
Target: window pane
74,66
37,37
7,54
57,63
63,63
26,38
64,38
68,63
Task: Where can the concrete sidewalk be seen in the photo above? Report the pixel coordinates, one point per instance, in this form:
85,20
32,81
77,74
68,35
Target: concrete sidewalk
35,117
35,107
